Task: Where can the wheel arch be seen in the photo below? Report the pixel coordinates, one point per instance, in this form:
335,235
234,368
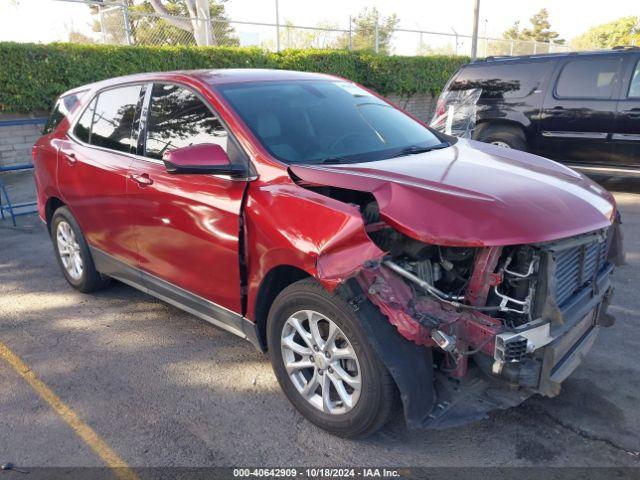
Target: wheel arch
52,204
274,282
484,127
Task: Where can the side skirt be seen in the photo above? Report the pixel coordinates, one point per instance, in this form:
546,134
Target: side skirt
178,297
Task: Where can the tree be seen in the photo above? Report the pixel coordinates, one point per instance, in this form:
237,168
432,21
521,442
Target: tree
172,22
539,31
322,37
623,31
363,36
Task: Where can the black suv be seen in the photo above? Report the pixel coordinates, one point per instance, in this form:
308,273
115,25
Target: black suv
582,109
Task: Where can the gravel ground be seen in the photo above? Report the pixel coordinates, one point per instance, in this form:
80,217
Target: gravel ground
164,388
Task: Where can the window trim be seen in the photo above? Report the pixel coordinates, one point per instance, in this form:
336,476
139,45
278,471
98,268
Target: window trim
614,89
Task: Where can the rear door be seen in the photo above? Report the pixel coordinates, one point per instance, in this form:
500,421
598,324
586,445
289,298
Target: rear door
577,116
626,130
93,165
187,226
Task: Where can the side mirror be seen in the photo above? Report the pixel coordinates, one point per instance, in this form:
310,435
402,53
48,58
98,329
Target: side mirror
203,158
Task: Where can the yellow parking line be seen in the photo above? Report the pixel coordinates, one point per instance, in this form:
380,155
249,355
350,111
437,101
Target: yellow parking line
84,431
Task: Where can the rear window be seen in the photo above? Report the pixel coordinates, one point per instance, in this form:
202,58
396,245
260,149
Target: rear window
60,110
588,78
501,81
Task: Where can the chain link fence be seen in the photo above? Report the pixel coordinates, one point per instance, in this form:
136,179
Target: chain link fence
124,25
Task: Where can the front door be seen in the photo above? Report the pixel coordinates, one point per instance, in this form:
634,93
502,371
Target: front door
626,130
93,165
578,111
186,225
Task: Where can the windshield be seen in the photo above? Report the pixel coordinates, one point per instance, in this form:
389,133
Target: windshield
326,121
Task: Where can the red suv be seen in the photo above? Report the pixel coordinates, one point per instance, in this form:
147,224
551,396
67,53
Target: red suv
372,257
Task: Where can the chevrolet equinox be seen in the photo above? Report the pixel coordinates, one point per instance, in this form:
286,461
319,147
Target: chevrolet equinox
377,261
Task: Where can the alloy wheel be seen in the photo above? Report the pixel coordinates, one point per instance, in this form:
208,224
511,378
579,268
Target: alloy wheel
69,250
321,362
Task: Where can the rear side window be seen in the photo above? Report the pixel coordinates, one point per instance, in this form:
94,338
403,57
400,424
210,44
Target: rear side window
82,130
60,110
502,81
178,118
114,116
588,78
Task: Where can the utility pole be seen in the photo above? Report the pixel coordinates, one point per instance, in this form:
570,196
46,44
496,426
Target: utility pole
474,38
277,28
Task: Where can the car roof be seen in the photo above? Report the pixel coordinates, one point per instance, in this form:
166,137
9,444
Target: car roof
210,76
542,56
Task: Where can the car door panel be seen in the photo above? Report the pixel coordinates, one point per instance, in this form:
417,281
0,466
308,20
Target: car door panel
92,177
626,130
186,225
576,128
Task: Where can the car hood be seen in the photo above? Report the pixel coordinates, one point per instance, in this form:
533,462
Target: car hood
474,194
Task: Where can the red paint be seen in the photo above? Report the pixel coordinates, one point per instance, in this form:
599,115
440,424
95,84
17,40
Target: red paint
196,155
186,228
475,194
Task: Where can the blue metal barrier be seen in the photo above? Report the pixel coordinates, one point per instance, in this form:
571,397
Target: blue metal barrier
16,209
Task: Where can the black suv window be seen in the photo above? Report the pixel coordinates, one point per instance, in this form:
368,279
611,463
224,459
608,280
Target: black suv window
499,81
634,88
60,110
588,78
178,118
114,117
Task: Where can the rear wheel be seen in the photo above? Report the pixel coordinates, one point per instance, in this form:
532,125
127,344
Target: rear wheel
503,136
324,363
73,253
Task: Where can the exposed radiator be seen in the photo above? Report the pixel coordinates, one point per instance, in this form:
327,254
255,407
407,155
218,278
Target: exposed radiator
576,266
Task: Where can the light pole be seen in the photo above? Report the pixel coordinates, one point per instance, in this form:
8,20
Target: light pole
474,38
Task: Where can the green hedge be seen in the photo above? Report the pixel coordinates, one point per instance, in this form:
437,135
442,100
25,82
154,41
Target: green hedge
33,75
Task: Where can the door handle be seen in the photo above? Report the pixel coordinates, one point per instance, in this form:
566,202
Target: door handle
557,110
71,158
632,112
142,180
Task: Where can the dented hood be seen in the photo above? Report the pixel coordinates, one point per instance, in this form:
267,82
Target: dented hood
474,194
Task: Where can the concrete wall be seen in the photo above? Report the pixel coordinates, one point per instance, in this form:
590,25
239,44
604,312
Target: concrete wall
16,141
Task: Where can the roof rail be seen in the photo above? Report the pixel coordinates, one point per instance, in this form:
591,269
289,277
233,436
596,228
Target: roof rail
493,58
626,47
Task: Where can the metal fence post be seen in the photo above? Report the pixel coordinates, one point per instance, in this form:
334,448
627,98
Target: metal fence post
350,35
127,24
511,48
535,45
277,28
377,37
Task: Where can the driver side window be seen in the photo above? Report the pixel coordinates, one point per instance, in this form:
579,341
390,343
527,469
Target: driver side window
178,118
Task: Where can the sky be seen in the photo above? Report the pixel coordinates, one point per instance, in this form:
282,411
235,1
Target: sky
51,20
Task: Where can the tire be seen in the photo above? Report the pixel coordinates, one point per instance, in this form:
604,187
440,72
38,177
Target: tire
86,278
371,405
504,136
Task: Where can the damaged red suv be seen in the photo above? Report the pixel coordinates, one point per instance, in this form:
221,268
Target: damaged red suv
374,259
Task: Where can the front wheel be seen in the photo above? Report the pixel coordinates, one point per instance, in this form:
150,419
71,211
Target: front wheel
324,363
504,136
